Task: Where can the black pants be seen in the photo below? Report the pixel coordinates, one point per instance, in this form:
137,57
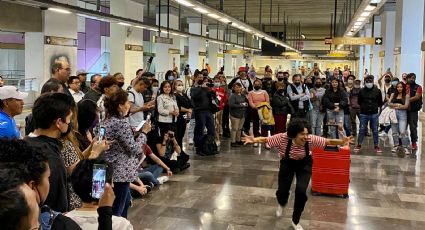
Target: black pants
302,171
225,121
180,130
412,121
182,159
247,122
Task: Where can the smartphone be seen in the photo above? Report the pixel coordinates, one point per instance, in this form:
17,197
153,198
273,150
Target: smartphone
102,132
150,59
171,135
98,180
140,126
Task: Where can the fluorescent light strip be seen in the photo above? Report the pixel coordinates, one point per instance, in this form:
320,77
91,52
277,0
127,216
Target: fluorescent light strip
124,24
201,10
369,8
140,27
184,3
365,14
58,10
225,20
358,23
215,16
361,19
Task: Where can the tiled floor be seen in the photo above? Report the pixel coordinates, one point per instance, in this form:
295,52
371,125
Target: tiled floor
236,190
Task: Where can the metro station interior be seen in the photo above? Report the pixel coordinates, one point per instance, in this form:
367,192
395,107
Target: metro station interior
316,56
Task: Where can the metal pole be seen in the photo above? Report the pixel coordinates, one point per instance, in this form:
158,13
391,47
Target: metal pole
373,25
168,18
98,5
180,17
221,5
159,18
278,14
271,7
336,5
244,13
284,27
331,29
261,12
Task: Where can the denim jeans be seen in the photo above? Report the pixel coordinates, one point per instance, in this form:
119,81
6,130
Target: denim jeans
347,127
122,199
364,120
337,118
317,121
151,174
202,120
400,129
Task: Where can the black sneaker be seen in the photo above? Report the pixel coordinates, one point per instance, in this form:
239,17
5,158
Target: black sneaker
239,142
185,166
234,144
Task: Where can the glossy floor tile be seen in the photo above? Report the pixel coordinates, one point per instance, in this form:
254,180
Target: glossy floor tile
236,190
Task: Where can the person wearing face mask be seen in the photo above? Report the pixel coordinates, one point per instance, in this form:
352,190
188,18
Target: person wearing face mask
318,112
354,106
185,110
226,109
370,101
221,94
268,83
256,97
300,96
169,76
281,107
309,82
52,114
415,92
350,83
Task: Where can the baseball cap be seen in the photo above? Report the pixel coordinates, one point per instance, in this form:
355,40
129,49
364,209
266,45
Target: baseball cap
81,72
9,91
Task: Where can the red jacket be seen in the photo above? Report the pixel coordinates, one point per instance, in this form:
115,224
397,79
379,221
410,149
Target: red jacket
222,96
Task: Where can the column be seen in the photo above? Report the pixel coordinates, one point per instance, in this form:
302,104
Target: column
215,50
197,46
375,68
126,44
388,35
167,56
367,49
411,36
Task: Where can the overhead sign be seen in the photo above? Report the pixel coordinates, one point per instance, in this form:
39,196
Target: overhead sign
162,40
203,54
137,48
60,41
173,51
339,53
220,55
354,41
234,51
382,53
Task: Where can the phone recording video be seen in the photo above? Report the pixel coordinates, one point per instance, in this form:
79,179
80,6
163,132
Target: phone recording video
141,124
98,180
102,132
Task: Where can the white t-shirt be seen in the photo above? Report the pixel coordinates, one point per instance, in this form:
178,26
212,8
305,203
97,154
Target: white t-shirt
87,220
137,100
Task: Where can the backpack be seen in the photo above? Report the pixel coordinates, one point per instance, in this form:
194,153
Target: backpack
214,103
47,216
209,146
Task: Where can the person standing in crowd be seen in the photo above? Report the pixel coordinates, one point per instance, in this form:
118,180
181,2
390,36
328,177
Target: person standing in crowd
208,67
74,88
1,81
334,101
87,119
201,100
384,87
61,71
82,75
281,107
138,106
226,112
294,147
185,110
354,106
318,112
168,110
252,75
247,86
415,92
11,105
370,101
255,98
108,86
170,76
399,101
300,96
238,104
119,77
404,78
150,94
124,154
268,83
221,94
94,93
187,75
52,117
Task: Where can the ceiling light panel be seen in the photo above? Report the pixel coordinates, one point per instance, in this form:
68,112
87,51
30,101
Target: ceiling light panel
215,16
58,10
365,14
201,10
184,3
369,8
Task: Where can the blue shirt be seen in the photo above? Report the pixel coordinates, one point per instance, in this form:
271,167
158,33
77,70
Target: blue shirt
8,127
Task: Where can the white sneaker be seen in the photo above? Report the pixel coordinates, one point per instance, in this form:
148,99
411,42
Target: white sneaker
255,144
383,134
279,210
407,151
297,226
163,179
394,150
190,142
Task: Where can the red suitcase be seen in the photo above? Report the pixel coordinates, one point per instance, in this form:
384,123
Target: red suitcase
331,171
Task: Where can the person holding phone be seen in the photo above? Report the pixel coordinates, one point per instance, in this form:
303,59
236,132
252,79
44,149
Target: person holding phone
185,110
124,154
168,110
138,105
170,152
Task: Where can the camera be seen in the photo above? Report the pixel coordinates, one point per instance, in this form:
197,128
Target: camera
171,135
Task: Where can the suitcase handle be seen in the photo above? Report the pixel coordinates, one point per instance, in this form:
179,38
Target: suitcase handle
332,148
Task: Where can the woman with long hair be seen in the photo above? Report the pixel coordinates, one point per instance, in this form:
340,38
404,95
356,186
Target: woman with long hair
185,110
399,101
335,100
168,110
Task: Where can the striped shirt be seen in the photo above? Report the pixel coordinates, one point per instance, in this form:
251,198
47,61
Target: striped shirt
280,141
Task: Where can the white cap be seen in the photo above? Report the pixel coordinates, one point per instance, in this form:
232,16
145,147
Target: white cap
9,91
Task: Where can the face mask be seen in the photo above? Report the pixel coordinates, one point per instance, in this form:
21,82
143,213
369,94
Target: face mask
155,89
350,81
369,85
318,85
394,83
217,84
297,84
120,84
200,82
285,79
67,131
280,90
412,82
387,80
179,88
357,86
171,78
280,79
257,87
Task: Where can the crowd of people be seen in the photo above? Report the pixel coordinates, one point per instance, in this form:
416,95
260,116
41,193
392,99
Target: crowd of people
138,133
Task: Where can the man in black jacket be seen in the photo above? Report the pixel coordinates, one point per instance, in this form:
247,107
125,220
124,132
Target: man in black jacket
370,101
201,100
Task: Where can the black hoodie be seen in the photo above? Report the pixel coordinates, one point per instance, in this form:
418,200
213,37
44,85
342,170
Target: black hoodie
370,100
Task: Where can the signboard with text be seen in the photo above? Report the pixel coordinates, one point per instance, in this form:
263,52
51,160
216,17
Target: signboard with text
354,41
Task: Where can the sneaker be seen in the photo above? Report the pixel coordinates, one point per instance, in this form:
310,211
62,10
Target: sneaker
394,150
255,144
383,134
407,151
163,179
297,226
357,148
378,150
279,210
414,146
239,142
185,166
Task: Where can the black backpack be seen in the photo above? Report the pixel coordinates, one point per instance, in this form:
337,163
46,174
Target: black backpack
209,146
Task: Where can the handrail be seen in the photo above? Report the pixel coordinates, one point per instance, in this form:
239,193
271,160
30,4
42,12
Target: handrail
19,82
